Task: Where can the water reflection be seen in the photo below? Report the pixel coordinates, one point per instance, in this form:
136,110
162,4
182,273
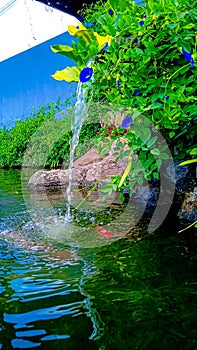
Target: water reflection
124,295
42,302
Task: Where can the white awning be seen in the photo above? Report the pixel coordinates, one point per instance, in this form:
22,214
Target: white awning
27,23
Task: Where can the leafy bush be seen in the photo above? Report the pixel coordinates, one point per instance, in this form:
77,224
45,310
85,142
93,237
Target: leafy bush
43,140
14,142
144,62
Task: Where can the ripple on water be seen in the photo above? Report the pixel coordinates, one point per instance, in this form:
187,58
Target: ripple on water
41,301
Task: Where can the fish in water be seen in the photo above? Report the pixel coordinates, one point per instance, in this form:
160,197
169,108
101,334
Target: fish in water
103,232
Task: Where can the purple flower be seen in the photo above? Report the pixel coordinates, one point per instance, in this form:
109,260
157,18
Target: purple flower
188,57
85,75
136,92
141,23
167,97
127,122
111,12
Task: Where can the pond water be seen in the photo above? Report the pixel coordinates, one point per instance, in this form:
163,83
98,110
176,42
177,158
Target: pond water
115,294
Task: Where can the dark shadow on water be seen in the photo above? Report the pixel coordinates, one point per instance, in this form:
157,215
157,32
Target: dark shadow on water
146,293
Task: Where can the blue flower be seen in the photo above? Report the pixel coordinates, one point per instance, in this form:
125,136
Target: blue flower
188,57
111,12
141,23
118,83
136,92
106,47
166,97
127,122
85,75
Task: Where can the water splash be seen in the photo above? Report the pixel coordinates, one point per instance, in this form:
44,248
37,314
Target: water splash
80,111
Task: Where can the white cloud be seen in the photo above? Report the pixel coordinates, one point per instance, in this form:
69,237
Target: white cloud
27,23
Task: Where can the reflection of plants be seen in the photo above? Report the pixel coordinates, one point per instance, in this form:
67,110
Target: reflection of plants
152,284
148,64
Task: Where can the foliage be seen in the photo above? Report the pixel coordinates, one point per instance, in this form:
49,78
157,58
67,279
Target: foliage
89,43
42,140
14,142
148,67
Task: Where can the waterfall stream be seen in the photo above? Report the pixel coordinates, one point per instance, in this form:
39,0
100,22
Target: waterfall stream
80,110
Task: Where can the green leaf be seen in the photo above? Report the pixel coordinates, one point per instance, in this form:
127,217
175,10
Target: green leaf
155,151
109,187
189,26
104,197
145,135
164,156
193,152
149,161
156,175
188,162
142,156
171,134
172,25
152,141
140,180
153,106
121,197
125,154
126,173
69,52
63,49
68,74
154,166
106,189
130,135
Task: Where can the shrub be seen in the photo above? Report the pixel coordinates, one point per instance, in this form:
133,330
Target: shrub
42,140
144,61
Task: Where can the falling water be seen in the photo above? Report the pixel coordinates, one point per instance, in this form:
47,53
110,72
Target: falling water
80,110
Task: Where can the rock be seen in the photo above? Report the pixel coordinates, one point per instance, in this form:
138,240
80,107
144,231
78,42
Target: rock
188,208
105,169
185,199
92,167
53,179
87,169
89,157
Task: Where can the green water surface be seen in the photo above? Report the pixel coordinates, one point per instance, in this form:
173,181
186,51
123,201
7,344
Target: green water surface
120,295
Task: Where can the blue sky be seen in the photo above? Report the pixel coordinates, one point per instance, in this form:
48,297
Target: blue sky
26,82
